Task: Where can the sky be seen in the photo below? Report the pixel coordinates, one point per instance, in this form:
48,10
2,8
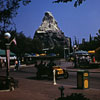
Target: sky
77,22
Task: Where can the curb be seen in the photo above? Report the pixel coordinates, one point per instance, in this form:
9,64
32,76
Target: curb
91,71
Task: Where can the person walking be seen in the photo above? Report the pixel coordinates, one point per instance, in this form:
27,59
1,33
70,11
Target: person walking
16,65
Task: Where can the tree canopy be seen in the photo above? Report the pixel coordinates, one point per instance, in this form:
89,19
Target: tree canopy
92,44
8,10
76,2
24,44
98,35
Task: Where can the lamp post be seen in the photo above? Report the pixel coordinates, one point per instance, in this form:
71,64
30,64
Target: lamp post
45,50
7,50
65,52
74,48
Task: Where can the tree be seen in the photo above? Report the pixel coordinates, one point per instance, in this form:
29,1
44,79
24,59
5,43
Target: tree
76,3
92,44
90,38
98,35
37,46
8,10
24,44
59,50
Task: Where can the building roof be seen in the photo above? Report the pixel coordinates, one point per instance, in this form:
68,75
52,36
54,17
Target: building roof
2,53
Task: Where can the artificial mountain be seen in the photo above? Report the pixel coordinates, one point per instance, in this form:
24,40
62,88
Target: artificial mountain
49,33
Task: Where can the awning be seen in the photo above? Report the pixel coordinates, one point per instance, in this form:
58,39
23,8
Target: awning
81,52
11,58
2,53
91,51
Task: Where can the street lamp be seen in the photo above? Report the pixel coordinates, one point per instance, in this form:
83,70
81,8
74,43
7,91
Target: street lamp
10,82
7,35
74,48
7,50
45,50
65,51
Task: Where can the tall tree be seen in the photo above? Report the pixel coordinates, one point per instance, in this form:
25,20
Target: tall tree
76,2
8,10
37,46
24,44
90,38
98,35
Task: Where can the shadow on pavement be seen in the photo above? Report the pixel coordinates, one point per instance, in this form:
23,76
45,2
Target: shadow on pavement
42,78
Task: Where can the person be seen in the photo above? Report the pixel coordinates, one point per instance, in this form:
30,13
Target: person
51,64
36,65
44,64
19,63
93,58
75,65
39,66
16,65
78,61
0,64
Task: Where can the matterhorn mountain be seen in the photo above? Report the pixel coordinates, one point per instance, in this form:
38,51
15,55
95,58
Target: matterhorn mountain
49,33
48,24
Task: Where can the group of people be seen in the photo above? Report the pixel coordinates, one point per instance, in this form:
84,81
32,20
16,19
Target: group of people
45,64
3,63
82,60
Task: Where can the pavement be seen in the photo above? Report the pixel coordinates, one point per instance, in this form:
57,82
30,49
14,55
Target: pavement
96,70
69,67
32,89
37,90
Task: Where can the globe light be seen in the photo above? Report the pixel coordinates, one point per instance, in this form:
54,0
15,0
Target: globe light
75,46
7,35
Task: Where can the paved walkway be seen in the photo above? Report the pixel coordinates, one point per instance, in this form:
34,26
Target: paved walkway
37,90
31,89
97,70
66,65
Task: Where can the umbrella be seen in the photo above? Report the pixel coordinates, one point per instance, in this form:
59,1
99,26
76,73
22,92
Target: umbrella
81,52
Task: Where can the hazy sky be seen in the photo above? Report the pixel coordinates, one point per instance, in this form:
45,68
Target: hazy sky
79,22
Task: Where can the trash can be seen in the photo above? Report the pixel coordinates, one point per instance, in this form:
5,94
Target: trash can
82,79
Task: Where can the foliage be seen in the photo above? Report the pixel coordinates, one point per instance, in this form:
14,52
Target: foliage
24,44
89,45
74,96
37,46
92,44
8,10
29,45
59,50
76,3
98,35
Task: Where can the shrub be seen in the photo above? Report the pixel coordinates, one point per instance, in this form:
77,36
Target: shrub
74,96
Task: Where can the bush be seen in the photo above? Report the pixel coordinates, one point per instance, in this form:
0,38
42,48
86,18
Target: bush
74,96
